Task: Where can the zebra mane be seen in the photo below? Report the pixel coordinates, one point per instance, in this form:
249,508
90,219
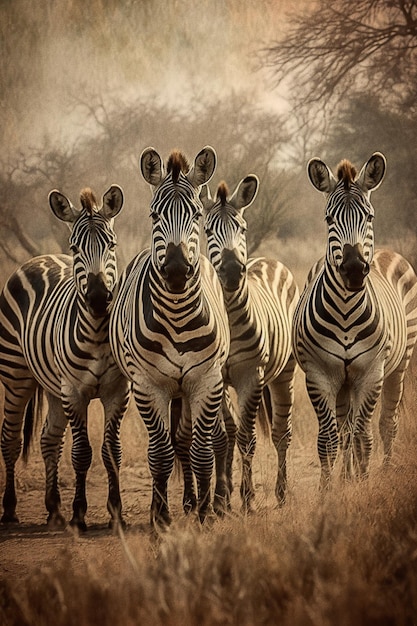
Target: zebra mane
222,192
346,172
177,163
88,200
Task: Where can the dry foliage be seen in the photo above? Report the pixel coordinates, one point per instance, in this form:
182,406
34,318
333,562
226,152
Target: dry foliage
349,557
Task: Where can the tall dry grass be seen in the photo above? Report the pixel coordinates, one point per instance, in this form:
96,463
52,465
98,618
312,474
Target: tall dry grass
346,558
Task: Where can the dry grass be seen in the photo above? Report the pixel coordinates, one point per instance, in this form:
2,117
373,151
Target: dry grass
347,558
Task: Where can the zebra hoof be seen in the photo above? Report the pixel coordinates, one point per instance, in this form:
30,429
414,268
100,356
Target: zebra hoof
9,518
207,516
247,508
221,505
189,505
79,525
56,521
161,520
117,522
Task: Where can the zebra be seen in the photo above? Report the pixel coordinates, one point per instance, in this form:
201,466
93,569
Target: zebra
260,296
54,319
355,324
170,336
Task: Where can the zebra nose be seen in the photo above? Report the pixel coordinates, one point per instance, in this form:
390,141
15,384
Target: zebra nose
176,270
353,268
97,296
231,270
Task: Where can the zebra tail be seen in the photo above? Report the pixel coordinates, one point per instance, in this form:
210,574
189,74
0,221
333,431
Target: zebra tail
32,416
265,413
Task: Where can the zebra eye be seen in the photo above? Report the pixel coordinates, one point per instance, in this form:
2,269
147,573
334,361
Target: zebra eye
74,249
112,246
154,216
209,232
370,217
329,219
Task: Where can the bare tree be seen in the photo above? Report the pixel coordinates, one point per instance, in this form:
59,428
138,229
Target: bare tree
339,48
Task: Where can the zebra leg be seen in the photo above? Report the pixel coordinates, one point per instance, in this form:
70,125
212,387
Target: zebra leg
364,399
51,446
152,409
181,430
115,405
362,446
75,408
249,397
221,502
282,392
392,392
230,418
205,403
344,417
323,399
15,401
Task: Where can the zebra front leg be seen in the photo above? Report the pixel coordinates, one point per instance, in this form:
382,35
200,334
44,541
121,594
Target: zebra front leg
246,439
205,406
153,409
322,390
11,442
111,451
230,418
282,396
392,392
51,446
221,502
365,394
182,436
81,455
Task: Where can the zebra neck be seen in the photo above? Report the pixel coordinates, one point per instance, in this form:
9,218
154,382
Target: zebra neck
237,301
335,294
82,319
174,303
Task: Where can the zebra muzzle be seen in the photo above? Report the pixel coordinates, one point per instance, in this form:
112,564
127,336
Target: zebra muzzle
98,296
353,268
231,270
176,270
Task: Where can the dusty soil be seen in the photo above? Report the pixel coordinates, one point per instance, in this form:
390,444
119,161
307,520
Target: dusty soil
29,546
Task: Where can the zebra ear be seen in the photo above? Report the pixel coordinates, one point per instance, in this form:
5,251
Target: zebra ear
204,167
321,176
373,172
61,207
151,166
245,192
112,202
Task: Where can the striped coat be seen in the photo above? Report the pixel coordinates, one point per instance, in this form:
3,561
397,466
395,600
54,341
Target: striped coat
356,323
260,296
54,317
169,333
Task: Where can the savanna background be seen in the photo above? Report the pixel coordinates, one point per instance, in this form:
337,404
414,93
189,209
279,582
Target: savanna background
84,88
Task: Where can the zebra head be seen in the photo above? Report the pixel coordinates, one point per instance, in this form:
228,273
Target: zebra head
176,210
349,215
225,229
93,244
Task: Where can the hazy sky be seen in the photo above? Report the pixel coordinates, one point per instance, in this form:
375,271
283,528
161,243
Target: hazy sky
64,52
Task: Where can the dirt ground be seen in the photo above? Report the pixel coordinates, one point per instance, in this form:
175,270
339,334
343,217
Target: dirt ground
30,546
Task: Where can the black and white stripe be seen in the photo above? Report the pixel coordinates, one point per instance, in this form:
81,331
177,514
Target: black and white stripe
54,317
169,331
356,323
260,296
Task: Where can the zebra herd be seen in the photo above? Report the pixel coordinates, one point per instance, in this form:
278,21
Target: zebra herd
203,342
